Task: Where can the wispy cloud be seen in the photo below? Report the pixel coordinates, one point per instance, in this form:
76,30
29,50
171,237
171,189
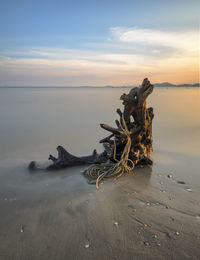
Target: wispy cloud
180,40
128,55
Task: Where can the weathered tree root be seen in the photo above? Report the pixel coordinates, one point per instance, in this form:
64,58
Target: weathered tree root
130,143
65,159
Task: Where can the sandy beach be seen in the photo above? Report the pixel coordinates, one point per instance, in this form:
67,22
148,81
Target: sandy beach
140,216
153,213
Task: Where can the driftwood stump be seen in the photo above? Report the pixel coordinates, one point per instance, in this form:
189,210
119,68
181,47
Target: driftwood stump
135,117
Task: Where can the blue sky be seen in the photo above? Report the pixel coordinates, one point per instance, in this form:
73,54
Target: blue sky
70,43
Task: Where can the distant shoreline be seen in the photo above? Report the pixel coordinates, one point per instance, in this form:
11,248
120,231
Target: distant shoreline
157,85
163,85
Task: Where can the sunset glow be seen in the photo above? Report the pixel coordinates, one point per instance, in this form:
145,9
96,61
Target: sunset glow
93,52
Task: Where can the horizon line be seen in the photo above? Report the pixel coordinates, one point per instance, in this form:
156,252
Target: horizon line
104,86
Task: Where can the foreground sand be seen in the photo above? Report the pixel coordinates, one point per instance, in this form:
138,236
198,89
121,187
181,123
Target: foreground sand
59,216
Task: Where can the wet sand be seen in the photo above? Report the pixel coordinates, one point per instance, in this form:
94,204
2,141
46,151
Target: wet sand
144,215
60,216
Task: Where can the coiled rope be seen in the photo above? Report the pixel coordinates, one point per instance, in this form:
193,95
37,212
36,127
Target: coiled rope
97,172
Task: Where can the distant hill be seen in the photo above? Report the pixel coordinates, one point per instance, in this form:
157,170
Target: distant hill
164,85
169,85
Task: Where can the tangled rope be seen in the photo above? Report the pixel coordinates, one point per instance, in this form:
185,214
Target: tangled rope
97,172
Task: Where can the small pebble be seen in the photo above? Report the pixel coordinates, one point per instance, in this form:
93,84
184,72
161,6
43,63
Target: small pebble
148,204
159,175
145,225
22,229
159,244
155,236
177,233
169,176
167,207
146,243
141,166
87,246
134,210
116,223
189,190
181,182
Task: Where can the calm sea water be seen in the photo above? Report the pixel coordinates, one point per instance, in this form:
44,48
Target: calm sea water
34,121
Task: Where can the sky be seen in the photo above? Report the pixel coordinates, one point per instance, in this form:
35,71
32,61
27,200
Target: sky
98,42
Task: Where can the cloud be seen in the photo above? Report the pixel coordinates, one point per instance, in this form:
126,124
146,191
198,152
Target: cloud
79,60
129,55
187,40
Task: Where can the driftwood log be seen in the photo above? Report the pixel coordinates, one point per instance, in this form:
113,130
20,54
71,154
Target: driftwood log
136,117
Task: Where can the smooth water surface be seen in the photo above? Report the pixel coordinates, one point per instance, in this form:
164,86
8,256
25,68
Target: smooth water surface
34,121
